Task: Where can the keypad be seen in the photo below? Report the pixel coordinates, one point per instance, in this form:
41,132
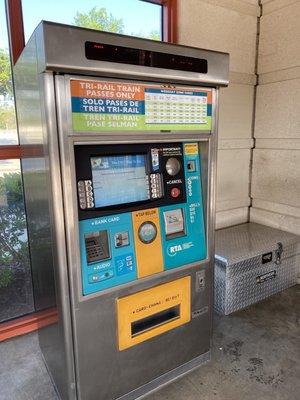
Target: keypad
85,194
156,186
97,246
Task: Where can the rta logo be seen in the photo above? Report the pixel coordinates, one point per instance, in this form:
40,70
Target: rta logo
173,250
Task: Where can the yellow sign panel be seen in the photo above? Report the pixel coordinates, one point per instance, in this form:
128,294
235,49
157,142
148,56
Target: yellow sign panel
191,149
146,314
147,239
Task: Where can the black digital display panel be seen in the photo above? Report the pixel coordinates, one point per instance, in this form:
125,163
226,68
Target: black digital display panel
146,58
128,177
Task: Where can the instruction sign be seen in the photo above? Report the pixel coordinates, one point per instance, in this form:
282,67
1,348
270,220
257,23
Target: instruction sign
115,106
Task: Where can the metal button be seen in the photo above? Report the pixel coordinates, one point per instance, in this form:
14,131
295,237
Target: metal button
173,166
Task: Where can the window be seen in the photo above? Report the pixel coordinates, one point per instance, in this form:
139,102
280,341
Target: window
120,16
8,131
16,295
143,18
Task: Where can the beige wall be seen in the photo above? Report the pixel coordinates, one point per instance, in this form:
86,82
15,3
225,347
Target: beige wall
228,25
231,25
276,158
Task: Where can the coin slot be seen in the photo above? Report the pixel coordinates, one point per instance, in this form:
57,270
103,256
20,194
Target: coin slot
191,166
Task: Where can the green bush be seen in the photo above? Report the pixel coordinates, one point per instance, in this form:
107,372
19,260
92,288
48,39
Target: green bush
7,118
12,221
5,277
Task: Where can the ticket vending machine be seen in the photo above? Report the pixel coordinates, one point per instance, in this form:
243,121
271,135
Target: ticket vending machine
118,137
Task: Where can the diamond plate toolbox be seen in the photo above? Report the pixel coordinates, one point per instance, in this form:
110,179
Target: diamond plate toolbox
252,262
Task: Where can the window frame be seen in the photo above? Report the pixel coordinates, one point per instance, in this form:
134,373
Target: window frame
16,38
169,19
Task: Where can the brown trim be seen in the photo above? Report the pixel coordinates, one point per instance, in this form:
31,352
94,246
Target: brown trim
9,152
15,28
32,151
30,323
22,151
170,20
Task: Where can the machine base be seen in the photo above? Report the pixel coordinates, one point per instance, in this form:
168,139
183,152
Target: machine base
165,379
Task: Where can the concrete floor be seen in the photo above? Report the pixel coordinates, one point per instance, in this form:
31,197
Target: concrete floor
256,356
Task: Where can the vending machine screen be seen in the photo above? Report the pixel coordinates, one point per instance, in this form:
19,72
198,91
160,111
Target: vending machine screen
119,179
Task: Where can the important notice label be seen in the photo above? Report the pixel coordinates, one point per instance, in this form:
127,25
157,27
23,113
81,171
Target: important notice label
191,149
119,106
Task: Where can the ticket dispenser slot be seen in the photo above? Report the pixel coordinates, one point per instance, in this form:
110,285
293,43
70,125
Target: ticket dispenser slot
152,312
155,320
174,223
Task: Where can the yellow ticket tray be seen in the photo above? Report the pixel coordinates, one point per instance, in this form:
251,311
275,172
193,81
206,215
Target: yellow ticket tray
146,314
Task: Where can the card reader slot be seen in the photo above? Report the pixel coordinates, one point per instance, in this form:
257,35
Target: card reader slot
153,321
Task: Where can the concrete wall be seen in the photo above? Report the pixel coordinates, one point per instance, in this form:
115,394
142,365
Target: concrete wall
276,158
228,25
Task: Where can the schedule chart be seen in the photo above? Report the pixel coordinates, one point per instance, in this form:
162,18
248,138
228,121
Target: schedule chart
164,106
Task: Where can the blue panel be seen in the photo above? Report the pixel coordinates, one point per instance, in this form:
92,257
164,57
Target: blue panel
107,106
191,246
120,267
209,110
177,92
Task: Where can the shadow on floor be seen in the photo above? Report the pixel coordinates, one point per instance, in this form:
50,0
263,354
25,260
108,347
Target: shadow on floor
255,356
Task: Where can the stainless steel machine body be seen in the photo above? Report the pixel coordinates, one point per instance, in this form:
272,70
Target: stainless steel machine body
84,351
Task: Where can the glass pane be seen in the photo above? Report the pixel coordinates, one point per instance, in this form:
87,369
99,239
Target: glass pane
16,294
131,17
8,132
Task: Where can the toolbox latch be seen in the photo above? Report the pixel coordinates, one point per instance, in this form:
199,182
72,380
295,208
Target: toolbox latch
278,253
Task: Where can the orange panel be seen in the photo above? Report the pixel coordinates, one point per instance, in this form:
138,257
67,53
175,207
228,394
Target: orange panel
164,307
107,90
148,254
